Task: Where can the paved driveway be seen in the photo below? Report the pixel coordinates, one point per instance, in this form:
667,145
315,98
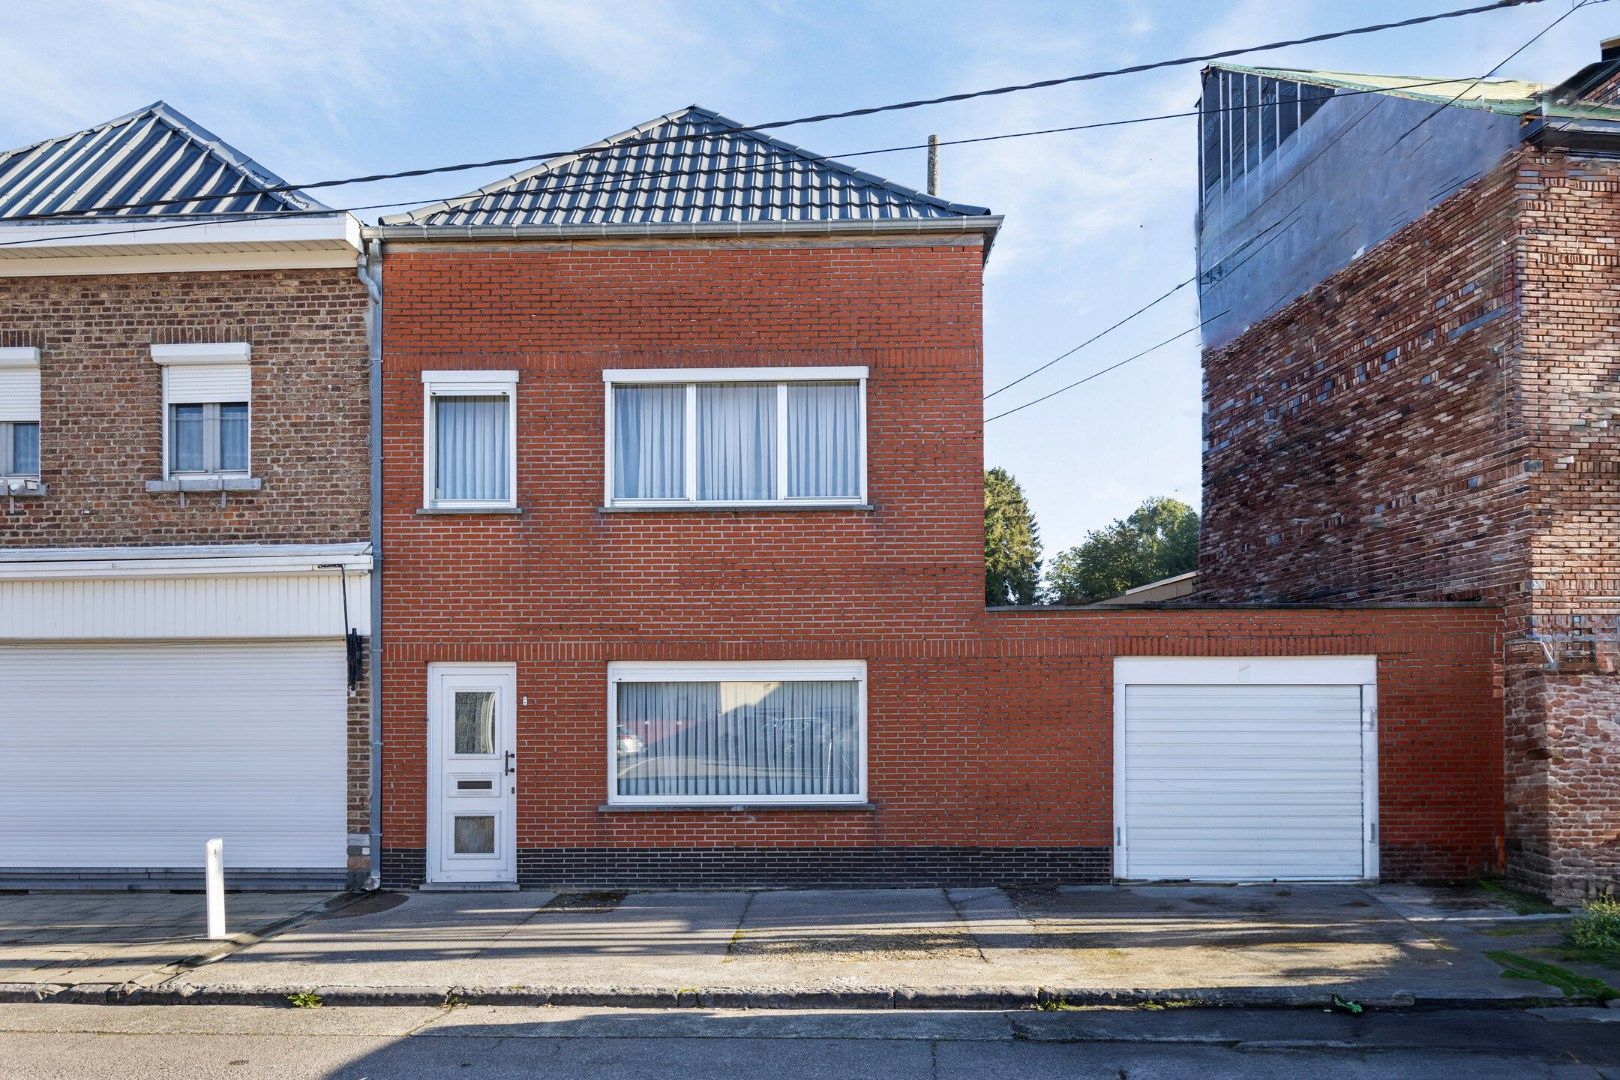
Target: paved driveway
116,937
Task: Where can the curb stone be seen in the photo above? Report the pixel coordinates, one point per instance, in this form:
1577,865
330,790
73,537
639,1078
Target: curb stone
974,998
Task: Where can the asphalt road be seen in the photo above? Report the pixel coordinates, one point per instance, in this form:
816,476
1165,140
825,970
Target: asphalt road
382,1043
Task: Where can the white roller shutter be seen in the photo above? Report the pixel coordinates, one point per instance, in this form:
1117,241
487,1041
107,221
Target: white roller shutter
131,756
19,385
1243,782
208,382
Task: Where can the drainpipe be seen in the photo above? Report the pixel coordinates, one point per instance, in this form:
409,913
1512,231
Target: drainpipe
370,273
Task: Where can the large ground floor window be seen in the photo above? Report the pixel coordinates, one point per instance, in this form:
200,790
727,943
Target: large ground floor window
705,733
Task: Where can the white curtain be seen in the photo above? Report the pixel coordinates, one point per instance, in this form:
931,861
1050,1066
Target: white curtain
471,447
738,738
824,440
649,442
233,435
736,437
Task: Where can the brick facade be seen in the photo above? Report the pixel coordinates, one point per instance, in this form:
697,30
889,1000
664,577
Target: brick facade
1434,422
101,423
101,406
989,733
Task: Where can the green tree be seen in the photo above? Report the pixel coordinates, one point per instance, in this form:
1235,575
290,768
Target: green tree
1158,540
1012,543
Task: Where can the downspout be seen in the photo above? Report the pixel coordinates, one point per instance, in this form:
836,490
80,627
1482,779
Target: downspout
369,270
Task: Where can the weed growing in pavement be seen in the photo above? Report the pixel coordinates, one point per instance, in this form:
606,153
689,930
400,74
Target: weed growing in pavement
305,1000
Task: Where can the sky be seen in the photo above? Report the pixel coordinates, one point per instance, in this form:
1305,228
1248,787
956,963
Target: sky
1097,222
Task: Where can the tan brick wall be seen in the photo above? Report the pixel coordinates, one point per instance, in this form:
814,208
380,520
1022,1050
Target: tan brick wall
101,406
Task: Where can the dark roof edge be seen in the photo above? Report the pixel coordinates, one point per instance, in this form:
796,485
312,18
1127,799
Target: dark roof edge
988,223
1588,136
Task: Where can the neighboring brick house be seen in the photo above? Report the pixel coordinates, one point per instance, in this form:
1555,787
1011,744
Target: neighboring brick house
184,528
682,519
1412,379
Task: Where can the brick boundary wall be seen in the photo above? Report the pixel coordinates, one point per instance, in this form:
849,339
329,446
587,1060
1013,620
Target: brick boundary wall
1003,738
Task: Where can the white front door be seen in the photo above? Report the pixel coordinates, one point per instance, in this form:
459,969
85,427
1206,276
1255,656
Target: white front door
472,772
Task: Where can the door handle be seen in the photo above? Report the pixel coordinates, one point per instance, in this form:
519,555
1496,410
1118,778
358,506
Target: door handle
511,766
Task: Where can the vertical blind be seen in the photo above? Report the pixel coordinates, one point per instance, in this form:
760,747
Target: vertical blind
735,429
685,739
470,449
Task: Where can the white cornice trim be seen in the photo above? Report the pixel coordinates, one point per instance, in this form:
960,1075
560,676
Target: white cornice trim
35,564
734,374
231,352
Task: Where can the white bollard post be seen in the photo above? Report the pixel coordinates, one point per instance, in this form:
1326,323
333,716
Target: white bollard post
215,888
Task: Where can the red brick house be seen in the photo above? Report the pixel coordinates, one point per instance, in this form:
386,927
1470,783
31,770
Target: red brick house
184,534
1412,392
681,519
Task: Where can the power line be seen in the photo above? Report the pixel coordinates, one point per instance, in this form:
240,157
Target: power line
525,197
870,110
1465,90
1106,370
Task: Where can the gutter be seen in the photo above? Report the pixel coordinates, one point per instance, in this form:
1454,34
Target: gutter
369,270
988,224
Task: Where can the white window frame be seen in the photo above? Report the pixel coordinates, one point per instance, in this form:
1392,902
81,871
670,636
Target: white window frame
21,362
624,671
691,378
236,353
1357,670
437,384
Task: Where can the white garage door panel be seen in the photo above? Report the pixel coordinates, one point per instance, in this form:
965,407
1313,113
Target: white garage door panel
1243,782
131,756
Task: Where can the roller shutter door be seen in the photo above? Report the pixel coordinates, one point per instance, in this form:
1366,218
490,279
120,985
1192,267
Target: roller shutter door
1243,782
130,756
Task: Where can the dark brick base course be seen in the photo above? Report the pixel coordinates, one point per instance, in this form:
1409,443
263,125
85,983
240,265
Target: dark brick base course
403,868
738,868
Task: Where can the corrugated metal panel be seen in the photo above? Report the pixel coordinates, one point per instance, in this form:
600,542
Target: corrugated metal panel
208,382
19,393
149,155
132,756
710,174
1243,782
270,606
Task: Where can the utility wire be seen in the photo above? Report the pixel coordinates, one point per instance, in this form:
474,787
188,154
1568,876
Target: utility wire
1106,370
869,110
521,199
1504,62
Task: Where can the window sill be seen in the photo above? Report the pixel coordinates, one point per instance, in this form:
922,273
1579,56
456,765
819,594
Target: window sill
205,483
470,510
23,489
728,808
736,508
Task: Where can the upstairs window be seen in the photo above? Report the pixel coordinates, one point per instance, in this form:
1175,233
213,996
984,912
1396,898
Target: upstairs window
207,393
19,413
770,436
470,436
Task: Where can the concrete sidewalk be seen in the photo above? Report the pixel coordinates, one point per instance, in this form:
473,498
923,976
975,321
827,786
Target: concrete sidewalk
1263,945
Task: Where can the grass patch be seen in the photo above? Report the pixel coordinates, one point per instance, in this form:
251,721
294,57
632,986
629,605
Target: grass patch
1597,926
1515,930
1573,984
1522,902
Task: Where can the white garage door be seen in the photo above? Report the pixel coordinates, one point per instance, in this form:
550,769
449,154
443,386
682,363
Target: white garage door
1256,770
132,756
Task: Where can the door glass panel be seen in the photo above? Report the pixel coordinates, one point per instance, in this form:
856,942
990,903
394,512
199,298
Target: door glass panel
475,835
475,722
